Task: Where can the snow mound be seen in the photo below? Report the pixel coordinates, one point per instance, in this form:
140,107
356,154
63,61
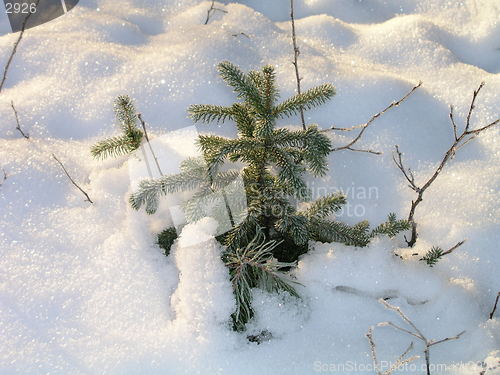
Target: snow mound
84,289
203,300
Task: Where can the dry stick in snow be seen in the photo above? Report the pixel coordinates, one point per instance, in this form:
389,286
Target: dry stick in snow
71,179
414,331
143,123
14,48
4,178
365,126
452,249
401,361
460,140
18,124
296,53
211,10
242,34
494,306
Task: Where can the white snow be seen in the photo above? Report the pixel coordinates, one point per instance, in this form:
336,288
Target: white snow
203,298
84,289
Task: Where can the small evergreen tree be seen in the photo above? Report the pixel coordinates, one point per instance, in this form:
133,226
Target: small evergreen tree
272,233
131,137
276,160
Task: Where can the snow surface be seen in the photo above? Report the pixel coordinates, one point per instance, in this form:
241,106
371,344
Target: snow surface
85,290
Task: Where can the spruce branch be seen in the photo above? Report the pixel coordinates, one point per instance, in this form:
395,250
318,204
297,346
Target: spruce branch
460,140
18,124
253,266
492,313
210,113
241,83
217,149
391,227
296,53
15,46
125,113
115,146
334,231
365,126
131,137
415,332
295,226
289,172
268,89
433,256
150,190
211,10
325,206
309,99
87,198
436,253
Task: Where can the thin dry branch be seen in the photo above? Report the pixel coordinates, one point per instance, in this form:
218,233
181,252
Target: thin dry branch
143,123
4,177
495,306
296,53
241,34
460,140
399,362
18,124
452,249
415,332
14,48
211,10
87,198
365,126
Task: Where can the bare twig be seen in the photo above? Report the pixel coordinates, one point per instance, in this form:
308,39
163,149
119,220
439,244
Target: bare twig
460,140
4,177
495,306
18,124
296,53
143,123
452,249
14,48
365,126
242,34
402,360
71,180
415,332
211,10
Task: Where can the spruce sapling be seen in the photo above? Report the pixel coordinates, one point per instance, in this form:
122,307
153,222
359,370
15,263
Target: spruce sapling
275,161
131,137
